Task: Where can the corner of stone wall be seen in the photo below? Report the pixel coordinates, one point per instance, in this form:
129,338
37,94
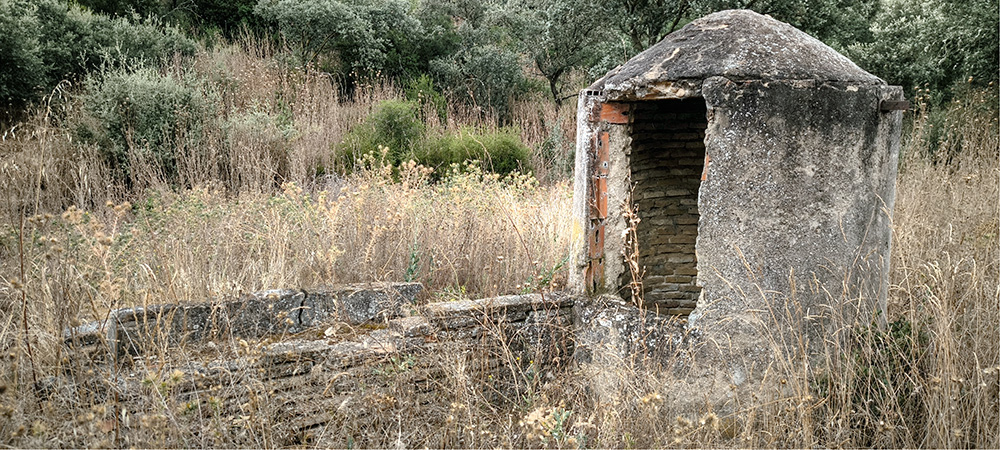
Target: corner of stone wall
586,129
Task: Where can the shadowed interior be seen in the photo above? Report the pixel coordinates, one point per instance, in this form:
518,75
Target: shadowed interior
667,160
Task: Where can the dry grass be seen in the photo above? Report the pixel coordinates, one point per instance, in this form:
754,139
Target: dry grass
930,380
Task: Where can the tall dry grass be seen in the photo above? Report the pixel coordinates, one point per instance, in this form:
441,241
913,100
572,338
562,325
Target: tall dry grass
946,273
255,206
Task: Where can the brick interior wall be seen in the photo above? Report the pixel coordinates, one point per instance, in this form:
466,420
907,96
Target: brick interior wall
668,156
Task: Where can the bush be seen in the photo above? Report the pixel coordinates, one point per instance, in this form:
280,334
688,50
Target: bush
356,40
122,7
78,41
144,117
46,41
500,152
421,90
394,124
935,44
21,67
312,27
486,76
228,16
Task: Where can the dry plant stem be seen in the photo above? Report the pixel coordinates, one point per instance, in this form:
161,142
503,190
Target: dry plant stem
24,309
520,238
631,249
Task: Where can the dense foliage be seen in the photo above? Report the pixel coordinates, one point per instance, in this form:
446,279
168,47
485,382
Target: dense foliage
394,134
483,53
144,119
43,42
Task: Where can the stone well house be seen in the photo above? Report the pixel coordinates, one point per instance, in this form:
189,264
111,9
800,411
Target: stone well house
760,162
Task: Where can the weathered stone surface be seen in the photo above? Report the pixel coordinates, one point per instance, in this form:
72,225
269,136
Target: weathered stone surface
536,326
736,44
609,331
273,312
509,308
411,326
358,303
817,162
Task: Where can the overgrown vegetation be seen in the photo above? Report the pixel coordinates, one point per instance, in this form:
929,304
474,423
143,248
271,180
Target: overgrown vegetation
47,41
425,142
486,55
395,134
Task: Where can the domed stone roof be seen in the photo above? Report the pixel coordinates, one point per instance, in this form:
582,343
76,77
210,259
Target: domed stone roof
736,44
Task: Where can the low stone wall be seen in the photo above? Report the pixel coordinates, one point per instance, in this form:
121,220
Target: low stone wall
134,331
319,357
609,331
318,366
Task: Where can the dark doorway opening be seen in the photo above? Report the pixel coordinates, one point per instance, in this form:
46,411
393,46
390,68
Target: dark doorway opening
666,164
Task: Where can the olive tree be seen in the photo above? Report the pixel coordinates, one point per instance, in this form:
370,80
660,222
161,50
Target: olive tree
936,43
22,70
485,68
561,36
645,22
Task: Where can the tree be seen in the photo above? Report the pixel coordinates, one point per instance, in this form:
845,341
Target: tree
359,39
936,43
485,68
486,76
314,27
395,39
838,23
228,16
644,22
122,8
22,70
43,42
562,36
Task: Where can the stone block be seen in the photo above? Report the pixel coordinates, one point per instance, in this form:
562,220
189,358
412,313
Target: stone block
359,303
411,326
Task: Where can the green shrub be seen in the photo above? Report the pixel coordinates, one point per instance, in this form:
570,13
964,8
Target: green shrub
78,41
394,124
486,76
230,17
313,28
22,70
500,152
43,42
122,7
359,40
421,90
144,116
149,42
